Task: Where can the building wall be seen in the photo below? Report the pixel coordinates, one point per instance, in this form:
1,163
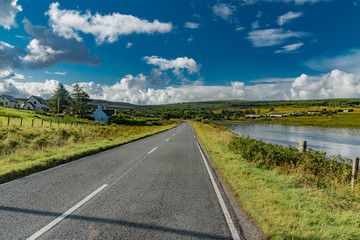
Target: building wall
4,102
37,105
28,106
100,116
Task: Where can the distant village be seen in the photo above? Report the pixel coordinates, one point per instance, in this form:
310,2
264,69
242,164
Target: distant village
36,103
286,114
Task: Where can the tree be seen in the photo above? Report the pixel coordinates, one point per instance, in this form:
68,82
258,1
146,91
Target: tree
165,115
80,104
60,100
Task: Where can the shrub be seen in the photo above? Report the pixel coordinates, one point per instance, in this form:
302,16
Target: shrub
206,121
316,165
131,122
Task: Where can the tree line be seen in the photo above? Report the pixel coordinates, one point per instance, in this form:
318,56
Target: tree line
74,104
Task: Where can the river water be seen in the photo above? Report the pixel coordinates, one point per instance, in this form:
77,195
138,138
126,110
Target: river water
333,141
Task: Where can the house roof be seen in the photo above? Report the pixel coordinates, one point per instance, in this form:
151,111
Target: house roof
10,98
30,104
38,98
109,112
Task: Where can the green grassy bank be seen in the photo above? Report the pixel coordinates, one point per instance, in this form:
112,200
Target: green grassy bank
285,204
26,150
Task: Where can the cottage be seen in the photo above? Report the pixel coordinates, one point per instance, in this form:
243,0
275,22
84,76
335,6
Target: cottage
8,101
253,115
35,103
313,112
102,115
278,115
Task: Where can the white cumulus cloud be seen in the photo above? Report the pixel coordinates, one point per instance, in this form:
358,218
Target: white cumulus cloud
8,11
175,64
105,28
40,53
335,84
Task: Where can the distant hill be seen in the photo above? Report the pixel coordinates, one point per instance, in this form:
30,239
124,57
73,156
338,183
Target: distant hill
109,104
223,104
242,104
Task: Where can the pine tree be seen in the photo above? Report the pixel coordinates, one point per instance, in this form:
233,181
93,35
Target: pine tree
80,104
60,99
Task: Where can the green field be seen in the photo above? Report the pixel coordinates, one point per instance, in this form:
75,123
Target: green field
32,148
26,118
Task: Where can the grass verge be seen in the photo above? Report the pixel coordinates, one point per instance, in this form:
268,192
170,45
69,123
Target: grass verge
283,208
24,151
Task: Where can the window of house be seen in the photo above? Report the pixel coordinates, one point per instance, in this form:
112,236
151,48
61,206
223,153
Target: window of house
34,102
5,103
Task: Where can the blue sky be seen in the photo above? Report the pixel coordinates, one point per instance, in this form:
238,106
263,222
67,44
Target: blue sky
156,52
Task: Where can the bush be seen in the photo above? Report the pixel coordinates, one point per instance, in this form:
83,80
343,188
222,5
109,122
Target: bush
316,165
131,122
206,121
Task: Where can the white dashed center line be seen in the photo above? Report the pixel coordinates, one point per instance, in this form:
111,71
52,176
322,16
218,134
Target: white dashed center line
66,214
152,150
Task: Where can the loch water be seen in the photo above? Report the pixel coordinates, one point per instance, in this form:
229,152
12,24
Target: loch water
333,141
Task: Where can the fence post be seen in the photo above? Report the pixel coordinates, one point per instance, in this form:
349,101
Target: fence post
8,121
65,124
42,122
355,169
302,146
58,123
21,122
32,123
50,123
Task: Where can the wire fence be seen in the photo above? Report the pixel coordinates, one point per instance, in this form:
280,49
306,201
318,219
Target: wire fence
28,122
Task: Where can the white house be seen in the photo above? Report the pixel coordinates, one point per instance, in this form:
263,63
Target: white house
253,115
8,101
102,115
278,115
35,103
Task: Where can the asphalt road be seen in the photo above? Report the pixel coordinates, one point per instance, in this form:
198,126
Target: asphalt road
154,188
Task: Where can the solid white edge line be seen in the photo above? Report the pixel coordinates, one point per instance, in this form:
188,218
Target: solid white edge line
66,214
229,221
152,150
167,139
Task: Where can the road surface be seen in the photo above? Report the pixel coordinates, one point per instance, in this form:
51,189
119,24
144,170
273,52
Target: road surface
158,187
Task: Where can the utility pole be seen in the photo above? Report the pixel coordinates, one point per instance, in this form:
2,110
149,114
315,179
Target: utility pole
58,108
